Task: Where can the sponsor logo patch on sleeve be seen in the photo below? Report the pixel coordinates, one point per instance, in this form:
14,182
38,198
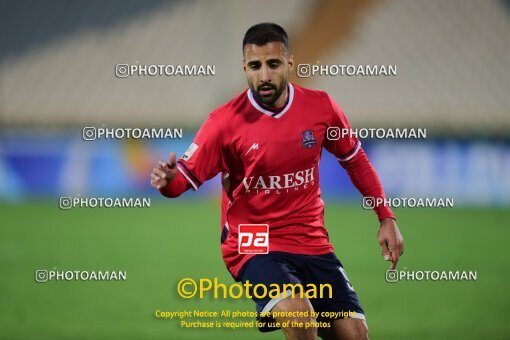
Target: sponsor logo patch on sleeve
191,150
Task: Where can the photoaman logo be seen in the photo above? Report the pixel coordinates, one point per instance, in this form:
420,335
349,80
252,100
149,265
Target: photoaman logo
391,276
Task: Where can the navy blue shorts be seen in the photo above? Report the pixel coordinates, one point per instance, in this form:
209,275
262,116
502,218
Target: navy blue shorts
286,268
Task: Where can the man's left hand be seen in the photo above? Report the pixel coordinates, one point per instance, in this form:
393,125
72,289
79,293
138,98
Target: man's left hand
391,241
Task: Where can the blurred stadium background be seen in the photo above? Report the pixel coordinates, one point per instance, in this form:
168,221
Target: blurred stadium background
57,75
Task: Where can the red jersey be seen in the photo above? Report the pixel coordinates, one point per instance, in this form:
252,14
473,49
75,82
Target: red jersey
272,163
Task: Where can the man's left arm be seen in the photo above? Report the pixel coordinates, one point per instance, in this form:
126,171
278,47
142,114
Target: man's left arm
353,159
365,179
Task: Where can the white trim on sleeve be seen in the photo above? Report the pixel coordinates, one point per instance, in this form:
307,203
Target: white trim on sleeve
345,159
187,177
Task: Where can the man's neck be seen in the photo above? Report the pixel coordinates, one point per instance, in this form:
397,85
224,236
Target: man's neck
279,104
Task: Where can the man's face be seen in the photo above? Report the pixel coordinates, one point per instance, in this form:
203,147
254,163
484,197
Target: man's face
267,71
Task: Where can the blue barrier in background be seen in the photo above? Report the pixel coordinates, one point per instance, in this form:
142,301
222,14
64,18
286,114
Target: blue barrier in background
48,165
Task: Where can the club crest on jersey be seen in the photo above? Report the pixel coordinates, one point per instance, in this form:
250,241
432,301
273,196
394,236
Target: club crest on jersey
308,139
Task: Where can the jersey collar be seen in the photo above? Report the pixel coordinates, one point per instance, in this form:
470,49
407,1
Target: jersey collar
267,112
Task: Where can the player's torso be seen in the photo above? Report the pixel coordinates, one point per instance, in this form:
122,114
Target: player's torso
273,168
276,159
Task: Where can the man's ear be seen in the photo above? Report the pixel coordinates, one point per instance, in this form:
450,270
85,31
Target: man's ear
244,65
290,62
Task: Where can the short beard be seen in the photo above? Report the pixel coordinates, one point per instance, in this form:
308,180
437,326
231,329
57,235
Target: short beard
269,101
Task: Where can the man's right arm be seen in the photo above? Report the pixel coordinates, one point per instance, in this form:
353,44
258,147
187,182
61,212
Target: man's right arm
176,187
167,178
202,161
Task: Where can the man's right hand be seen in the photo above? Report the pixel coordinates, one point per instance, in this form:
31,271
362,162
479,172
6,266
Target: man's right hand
164,172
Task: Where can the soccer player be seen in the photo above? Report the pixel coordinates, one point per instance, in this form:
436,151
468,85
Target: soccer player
267,144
